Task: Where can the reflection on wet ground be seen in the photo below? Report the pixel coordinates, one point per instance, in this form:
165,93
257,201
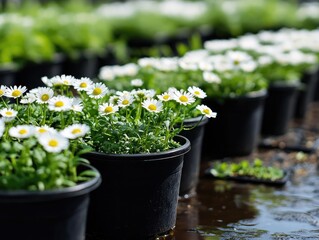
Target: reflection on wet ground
230,210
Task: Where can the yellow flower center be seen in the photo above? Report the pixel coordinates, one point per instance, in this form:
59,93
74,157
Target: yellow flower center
236,62
66,82
125,102
83,85
206,111
22,131
183,98
166,97
42,130
76,131
197,93
53,143
152,107
1,92
9,113
59,104
108,109
45,97
16,93
97,91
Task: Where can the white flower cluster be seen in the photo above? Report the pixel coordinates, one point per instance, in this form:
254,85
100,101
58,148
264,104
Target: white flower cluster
109,73
17,19
172,8
51,140
285,47
308,10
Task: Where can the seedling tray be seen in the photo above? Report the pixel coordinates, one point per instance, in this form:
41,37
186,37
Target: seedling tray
296,139
243,179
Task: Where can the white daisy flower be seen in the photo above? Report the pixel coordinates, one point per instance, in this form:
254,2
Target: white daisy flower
187,65
144,93
220,45
44,129
2,127
146,62
21,131
197,92
83,84
108,108
54,81
65,79
43,94
77,105
152,105
106,73
211,77
183,97
166,96
28,98
137,82
8,112
47,81
15,91
60,103
205,66
75,131
98,90
265,60
125,100
114,100
53,142
249,66
206,111
3,90
130,69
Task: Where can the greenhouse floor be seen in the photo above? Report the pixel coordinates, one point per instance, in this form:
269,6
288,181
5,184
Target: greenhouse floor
233,210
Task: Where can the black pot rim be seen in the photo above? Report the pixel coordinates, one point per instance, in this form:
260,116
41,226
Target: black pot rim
284,84
251,96
61,193
181,150
9,67
194,121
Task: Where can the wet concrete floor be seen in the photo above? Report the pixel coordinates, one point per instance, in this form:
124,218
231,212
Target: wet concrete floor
231,210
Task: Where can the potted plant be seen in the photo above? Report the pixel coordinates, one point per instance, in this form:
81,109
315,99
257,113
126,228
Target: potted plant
235,90
161,74
43,182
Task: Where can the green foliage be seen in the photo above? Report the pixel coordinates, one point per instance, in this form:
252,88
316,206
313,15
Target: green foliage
25,165
21,43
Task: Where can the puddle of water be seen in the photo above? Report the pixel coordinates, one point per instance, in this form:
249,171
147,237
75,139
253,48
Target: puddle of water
230,210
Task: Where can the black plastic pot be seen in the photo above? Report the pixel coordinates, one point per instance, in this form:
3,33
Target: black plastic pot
50,215
139,193
191,165
279,108
84,66
236,129
30,74
7,75
305,94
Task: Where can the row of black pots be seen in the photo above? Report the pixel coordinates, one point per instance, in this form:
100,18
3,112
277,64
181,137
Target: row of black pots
30,74
242,121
